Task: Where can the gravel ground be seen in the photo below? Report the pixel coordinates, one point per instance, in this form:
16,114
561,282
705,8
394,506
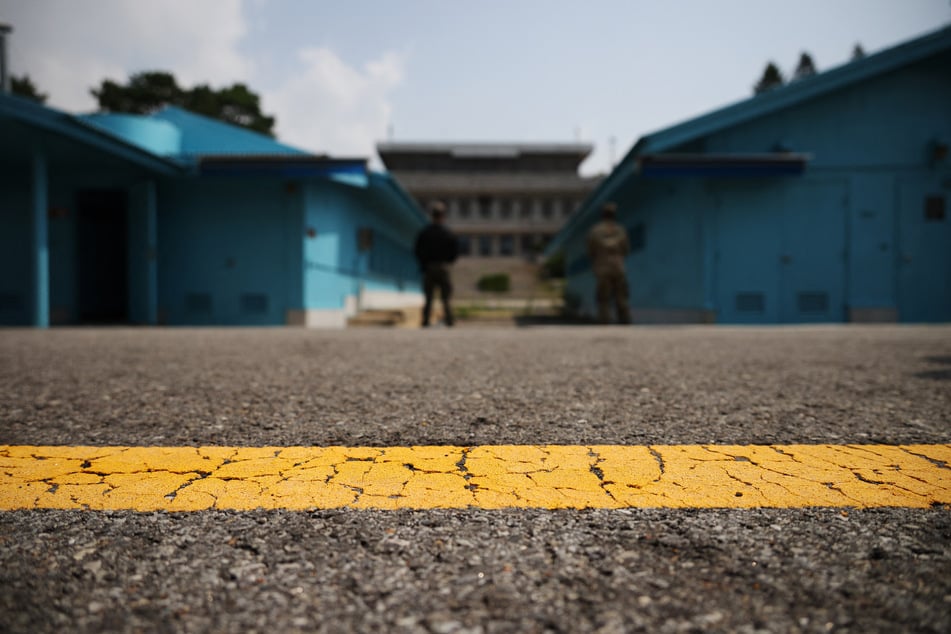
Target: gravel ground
769,570
476,386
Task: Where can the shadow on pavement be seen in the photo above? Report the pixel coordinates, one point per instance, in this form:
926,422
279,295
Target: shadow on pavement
940,374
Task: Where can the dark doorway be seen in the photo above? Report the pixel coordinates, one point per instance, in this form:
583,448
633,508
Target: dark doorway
103,263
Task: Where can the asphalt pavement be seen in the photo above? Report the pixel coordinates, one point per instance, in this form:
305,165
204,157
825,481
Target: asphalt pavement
477,570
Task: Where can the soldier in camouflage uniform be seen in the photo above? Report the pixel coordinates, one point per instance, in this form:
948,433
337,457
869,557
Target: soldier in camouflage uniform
607,248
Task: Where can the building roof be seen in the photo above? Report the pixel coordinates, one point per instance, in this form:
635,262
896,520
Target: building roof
796,92
482,157
194,135
772,101
37,116
465,149
174,141
203,136
386,186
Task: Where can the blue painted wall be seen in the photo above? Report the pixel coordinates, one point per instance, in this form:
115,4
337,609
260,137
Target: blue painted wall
335,265
72,170
330,274
229,251
665,268
248,251
850,235
223,251
192,248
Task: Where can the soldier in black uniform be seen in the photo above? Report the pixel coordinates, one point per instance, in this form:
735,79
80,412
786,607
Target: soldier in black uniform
436,249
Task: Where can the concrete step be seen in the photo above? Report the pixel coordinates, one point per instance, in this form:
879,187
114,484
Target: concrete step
408,317
377,318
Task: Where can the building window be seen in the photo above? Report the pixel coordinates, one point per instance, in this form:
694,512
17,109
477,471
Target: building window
570,206
485,207
506,244
463,204
527,244
505,209
934,208
548,209
526,208
485,246
465,244
364,239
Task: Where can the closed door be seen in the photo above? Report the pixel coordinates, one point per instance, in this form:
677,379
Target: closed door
748,241
781,252
103,256
924,249
813,255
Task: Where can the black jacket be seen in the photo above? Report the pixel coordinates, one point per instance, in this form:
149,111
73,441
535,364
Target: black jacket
436,243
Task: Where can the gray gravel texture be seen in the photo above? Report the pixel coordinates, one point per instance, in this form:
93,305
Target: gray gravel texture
761,570
476,386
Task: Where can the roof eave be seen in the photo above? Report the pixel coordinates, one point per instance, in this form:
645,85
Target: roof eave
759,105
75,128
796,92
412,211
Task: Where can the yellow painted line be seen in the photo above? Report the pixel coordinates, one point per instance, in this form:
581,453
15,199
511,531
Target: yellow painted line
493,476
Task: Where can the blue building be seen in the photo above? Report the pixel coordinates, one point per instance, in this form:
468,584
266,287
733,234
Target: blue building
178,219
824,200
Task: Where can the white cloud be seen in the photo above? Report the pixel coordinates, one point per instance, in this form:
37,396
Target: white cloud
68,47
333,107
326,106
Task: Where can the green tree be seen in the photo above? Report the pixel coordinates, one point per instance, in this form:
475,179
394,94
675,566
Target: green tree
149,91
236,104
24,87
144,94
772,78
805,68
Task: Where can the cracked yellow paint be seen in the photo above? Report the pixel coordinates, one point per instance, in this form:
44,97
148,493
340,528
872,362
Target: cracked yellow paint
494,476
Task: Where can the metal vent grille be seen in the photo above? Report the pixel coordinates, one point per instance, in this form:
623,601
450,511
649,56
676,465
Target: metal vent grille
253,303
198,303
812,302
750,302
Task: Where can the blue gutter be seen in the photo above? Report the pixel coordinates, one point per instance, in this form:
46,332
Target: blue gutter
721,165
282,166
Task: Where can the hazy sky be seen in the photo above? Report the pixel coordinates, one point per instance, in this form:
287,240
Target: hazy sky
341,75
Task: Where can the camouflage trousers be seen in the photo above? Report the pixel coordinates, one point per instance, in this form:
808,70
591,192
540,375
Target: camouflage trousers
612,288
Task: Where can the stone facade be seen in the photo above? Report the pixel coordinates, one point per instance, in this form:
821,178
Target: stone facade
504,200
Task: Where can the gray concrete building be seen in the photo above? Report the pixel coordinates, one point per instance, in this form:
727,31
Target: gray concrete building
505,200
